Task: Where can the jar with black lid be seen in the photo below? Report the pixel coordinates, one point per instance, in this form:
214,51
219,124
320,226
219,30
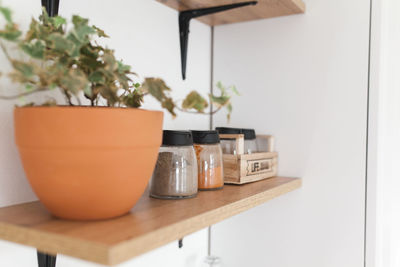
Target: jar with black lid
250,143
175,174
209,160
228,145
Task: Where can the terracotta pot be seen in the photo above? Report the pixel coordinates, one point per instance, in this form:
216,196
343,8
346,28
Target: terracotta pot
88,163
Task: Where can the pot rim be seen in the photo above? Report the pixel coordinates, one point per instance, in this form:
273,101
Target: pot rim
66,107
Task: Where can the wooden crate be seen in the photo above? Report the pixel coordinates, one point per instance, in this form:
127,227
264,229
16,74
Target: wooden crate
246,168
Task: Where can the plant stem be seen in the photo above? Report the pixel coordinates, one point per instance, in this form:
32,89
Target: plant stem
22,94
195,112
68,97
6,52
78,100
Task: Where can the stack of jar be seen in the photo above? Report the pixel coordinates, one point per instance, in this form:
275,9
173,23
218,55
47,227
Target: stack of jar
188,161
251,143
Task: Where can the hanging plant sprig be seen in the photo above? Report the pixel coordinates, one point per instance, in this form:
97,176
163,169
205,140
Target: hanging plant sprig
194,102
69,59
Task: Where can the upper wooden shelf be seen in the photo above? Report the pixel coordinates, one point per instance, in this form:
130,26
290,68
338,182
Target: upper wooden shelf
152,223
264,9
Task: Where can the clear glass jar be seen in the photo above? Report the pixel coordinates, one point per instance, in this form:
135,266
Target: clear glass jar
262,144
228,145
175,175
250,143
209,159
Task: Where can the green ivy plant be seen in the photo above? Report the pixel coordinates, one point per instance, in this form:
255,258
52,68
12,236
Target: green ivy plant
69,58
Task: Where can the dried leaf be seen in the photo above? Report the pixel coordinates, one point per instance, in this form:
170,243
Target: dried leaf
195,101
100,32
169,105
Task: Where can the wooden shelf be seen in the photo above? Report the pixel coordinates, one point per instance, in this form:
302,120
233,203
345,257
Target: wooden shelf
151,224
264,9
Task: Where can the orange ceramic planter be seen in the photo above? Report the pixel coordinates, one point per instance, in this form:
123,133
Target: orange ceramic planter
88,163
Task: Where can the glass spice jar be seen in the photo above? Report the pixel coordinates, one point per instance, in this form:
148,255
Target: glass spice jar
262,144
228,145
175,174
250,143
209,159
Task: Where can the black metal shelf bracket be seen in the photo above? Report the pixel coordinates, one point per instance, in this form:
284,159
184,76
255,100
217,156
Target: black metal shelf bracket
46,260
51,7
184,22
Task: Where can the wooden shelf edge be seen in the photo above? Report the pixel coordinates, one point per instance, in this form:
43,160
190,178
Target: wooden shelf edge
179,230
59,243
264,10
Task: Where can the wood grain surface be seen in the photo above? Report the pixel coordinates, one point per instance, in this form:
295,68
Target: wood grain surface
151,223
264,9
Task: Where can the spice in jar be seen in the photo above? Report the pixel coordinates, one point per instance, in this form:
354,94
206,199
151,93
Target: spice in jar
175,174
209,160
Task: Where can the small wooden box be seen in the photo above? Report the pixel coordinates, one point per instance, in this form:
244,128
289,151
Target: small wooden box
246,168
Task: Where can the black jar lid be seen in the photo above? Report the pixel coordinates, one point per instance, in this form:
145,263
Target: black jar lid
177,138
205,137
228,130
249,134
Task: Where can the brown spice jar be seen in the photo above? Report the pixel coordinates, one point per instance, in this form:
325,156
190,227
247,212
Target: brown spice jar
210,169
175,175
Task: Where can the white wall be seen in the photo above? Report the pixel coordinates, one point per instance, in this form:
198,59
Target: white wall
385,238
303,79
145,34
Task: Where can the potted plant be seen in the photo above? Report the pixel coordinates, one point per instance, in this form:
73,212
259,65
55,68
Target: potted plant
92,161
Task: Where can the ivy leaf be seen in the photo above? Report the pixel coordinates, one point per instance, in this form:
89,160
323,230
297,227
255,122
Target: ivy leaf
10,33
35,50
83,33
229,108
82,29
24,68
155,87
219,100
235,91
122,68
96,77
111,64
169,105
61,44
74,81
100,32
220,86
50,103
195,101
58,21
79,21
88,91
6,12
29,87
44,17
133,99
109,94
